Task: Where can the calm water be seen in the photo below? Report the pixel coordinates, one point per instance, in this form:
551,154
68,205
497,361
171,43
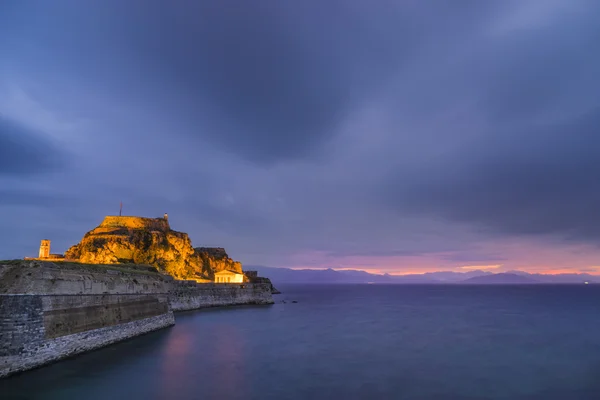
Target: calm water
353,342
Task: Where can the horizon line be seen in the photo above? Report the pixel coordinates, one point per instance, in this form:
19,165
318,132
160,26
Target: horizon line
380,272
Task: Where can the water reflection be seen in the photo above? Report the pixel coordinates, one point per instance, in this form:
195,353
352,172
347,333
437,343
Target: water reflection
177,370
228,347
207,354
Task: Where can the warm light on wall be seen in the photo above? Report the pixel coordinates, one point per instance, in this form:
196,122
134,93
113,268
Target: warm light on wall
228,277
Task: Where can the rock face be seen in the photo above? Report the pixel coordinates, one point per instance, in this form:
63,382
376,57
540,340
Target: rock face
214,259
138,240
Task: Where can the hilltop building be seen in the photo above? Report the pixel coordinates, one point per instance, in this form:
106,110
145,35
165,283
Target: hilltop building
44,249
44,253
227,276
151,241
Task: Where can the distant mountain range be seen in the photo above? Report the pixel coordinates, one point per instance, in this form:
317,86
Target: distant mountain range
316,276
501,279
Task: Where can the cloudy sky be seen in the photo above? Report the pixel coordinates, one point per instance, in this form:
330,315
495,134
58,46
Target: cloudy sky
393,136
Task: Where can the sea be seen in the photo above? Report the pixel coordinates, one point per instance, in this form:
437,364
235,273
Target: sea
352,342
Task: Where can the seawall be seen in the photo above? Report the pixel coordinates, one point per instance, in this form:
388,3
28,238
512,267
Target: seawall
51,311
186,295
36,330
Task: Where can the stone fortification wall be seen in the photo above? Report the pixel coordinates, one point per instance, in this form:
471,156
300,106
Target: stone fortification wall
190,295
151,224
33,332
46,278
51,311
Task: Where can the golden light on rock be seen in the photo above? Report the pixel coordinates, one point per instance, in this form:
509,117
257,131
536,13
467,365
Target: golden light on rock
139,240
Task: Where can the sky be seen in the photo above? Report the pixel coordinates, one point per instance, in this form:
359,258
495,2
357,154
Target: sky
391,136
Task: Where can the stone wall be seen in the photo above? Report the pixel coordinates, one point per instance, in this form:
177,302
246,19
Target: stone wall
152,224
29,336
43,277
190,295
50,311
66,315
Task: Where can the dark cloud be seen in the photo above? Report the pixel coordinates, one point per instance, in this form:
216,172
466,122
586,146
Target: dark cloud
267,82
543,180
277,80
539,73
32,197
530,164
23,152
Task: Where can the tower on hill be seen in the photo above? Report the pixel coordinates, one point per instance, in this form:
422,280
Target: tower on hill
45,249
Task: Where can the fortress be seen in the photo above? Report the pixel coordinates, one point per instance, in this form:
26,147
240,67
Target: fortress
125,278
111,223
141,240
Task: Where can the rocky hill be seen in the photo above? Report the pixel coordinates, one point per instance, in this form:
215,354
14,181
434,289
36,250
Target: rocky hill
119,240
215,259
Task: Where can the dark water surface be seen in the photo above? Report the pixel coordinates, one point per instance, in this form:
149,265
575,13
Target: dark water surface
353,342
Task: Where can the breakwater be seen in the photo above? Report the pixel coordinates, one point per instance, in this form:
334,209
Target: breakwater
49,311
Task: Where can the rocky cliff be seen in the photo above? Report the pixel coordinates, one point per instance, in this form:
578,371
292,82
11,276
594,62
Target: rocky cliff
137,240
214,259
